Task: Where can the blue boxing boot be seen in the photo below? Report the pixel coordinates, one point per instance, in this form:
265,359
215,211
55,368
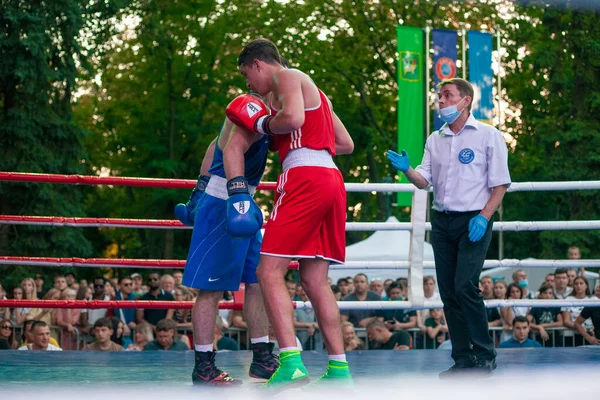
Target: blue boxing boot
186,213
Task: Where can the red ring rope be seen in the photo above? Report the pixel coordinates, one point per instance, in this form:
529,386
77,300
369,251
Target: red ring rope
100,262
95,304
110,180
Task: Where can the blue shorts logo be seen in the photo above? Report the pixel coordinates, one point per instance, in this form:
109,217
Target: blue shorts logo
466,155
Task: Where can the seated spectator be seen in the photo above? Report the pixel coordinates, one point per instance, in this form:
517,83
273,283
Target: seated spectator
103,330
165,337
118,337
152,316
351,341
143,335
581,290
27,336
383,339
40,332
360,318
222,342
396,320
520,332
541,318
7,333
593,314
436,329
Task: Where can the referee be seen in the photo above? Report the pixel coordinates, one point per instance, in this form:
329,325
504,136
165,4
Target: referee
466,162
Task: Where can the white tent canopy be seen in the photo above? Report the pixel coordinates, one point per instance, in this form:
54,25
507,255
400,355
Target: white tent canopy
382,246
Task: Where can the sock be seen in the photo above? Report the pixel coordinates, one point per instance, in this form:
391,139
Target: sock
203,347
262,339
337,357
281,350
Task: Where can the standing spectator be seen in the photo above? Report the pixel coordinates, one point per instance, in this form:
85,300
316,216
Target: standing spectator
103,330
436,329
351,341
71,280
466,162
520,280
29,293
597,290
4,311
143,335
574,254
17,294
561,284
126,315
520,332
183,318
541,318
28,336
342,284
7,333
581,290
487,291
99,294
110,289
430,295
376,286
549,280
167,283
60,283
137,284
70,320
291,287
360,318
40,332
165,338
178,277
592,313
383,339
152,316
39,286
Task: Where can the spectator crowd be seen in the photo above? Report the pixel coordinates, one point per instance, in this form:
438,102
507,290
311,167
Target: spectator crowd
132,329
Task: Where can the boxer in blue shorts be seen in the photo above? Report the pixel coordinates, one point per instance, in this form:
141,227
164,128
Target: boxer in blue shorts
225,246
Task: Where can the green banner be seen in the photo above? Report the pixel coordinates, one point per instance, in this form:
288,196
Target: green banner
411,100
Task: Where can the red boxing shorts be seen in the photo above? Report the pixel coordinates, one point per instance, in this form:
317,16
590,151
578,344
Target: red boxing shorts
308,219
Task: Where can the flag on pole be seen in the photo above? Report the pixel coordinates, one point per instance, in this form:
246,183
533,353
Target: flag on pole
481,75
411,98
444,62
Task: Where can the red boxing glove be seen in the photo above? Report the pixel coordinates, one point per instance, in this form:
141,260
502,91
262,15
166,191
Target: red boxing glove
246,110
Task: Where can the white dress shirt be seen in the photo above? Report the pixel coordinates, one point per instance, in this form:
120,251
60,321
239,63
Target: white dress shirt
463,168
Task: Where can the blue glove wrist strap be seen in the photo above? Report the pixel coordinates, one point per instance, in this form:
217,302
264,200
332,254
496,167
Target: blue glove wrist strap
237,185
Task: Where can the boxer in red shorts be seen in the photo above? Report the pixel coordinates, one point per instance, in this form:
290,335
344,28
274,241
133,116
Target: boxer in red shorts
309,214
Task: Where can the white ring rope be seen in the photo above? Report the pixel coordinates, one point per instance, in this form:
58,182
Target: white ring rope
407,305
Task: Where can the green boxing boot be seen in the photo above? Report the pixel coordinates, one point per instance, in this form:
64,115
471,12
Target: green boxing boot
337,375
290,373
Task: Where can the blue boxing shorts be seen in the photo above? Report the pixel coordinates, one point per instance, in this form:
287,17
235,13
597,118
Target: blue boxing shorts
215,260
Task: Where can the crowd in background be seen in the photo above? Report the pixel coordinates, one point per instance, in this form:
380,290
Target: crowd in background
170,329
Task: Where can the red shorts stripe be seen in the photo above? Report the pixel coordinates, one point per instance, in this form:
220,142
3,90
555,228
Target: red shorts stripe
309,216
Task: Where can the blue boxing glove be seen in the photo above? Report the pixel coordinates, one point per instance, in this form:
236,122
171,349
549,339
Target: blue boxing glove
477,227
186,213
400,162
244,218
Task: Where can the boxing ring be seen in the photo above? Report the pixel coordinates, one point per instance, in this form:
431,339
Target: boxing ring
546,373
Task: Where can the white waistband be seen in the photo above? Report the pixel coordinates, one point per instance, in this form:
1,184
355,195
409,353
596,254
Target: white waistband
305,157
217,187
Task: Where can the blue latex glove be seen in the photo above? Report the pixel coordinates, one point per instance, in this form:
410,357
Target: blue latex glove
477,227
399,161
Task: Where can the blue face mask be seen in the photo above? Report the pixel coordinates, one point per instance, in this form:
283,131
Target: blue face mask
450,114
523,283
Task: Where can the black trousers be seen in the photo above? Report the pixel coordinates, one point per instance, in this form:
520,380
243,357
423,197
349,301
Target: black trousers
458,264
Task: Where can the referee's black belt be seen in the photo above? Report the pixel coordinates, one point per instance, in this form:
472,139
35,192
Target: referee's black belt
456,212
